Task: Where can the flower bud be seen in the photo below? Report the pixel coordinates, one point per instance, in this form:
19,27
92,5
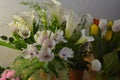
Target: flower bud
96,65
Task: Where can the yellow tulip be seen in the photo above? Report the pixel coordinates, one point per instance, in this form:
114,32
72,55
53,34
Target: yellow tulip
94,29
108,35
109,24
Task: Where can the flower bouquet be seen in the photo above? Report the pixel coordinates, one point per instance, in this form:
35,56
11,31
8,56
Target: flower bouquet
55,42
51,40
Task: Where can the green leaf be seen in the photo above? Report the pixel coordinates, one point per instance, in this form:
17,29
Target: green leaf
16,36
109,61
8,45
60,62
20,44
52,68
99,47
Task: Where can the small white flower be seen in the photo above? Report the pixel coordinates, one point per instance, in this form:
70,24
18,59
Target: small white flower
58,36
20,29
22,24
30,52
40,37
24,32
66,53
103,24
49,43
96,65
116,26
84,38
45,54
72,22
15,26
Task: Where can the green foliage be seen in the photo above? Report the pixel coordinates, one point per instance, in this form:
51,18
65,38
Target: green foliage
99,47
2,43
111,67
26,67
52,68
1,70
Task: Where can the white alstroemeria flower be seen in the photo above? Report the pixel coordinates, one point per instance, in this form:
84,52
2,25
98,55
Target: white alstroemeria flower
103,24
15,26
20,29
45,54
84,38
116,26
49,43
96,65
58,36
41,36
30,52
72,22
22,24
24,32
66,53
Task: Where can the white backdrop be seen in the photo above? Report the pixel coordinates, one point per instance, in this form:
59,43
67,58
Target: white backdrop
109,9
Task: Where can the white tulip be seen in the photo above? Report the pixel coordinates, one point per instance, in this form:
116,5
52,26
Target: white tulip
103,24
72,22
96,65
116,26
66,53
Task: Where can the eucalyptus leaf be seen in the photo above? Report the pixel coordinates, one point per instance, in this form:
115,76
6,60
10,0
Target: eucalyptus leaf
11,39
4,37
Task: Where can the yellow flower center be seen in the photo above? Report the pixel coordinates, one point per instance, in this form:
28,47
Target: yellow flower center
94,29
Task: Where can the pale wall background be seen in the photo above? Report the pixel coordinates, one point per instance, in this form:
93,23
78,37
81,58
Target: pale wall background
109,9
